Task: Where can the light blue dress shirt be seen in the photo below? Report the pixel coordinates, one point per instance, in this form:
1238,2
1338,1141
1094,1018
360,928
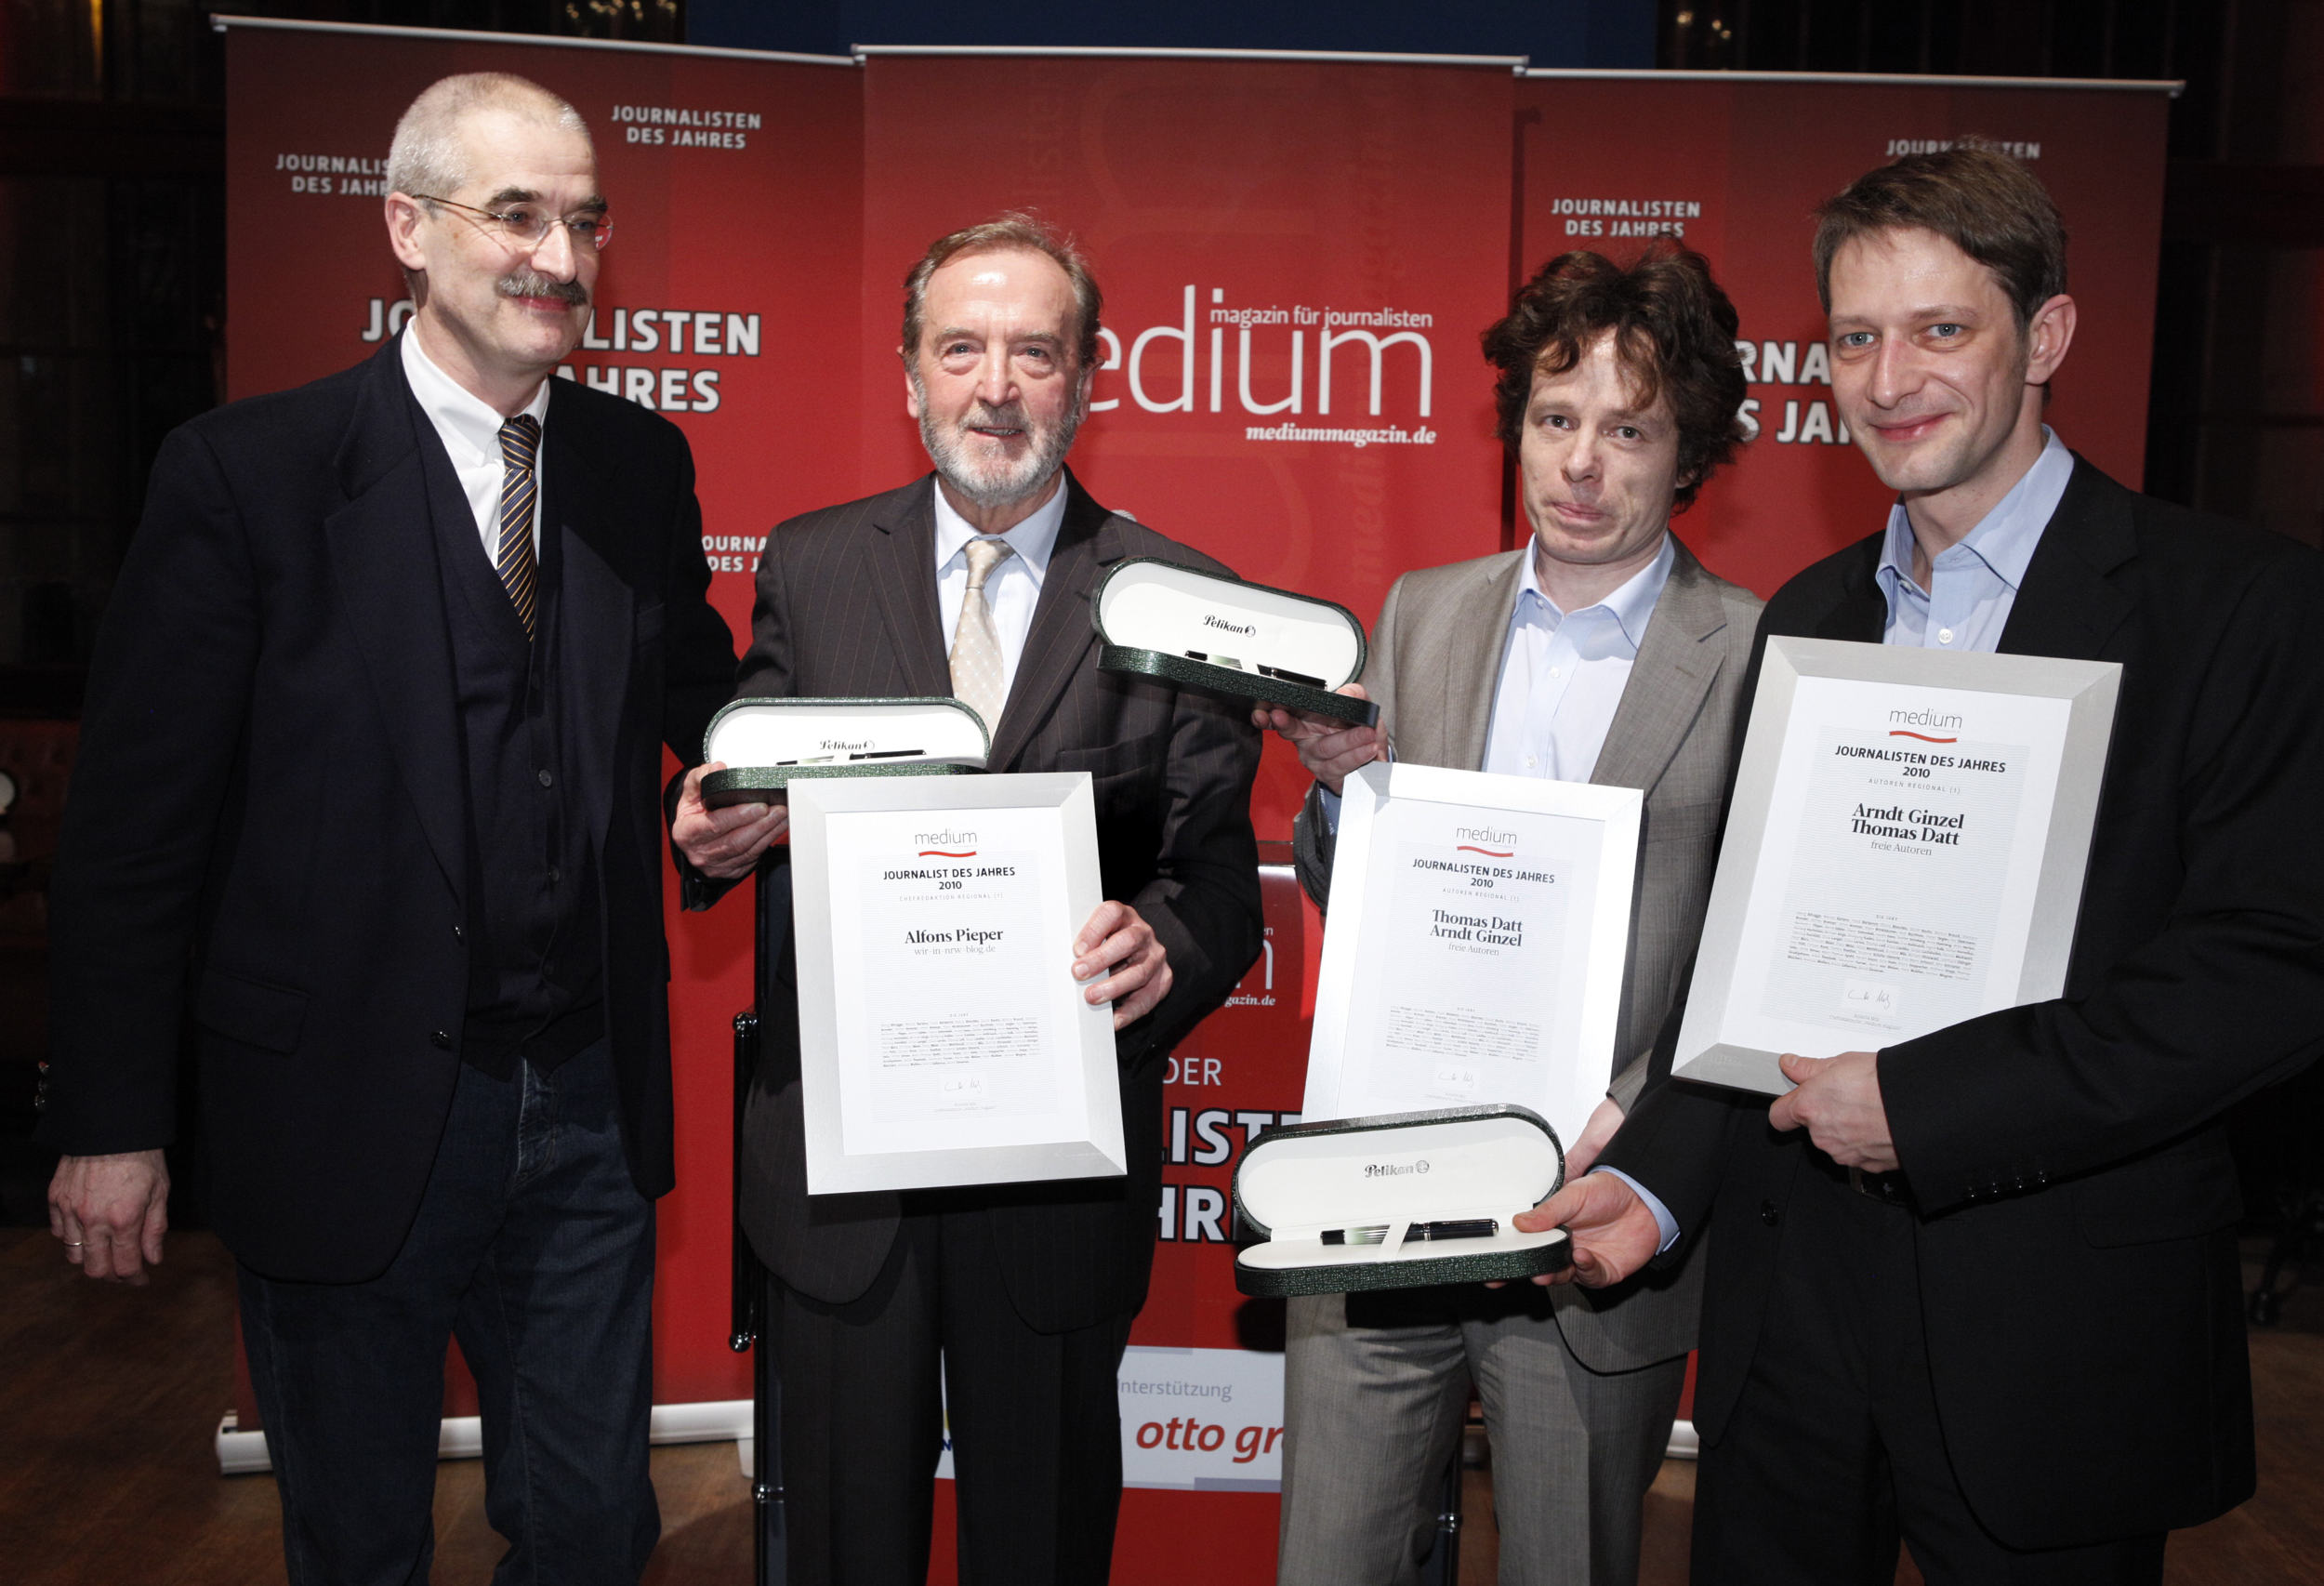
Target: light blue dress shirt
1563,673
1973,582
1562,676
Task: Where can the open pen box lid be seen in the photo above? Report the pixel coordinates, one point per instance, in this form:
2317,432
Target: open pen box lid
1394,1173
1221,636
768,743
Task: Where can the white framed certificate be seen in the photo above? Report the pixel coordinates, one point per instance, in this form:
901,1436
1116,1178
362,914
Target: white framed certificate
1905,849
943,1039
1479,926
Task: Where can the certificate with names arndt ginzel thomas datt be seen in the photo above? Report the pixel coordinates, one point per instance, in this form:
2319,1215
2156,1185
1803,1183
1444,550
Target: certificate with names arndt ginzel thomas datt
1905,851
942,1039
1478,929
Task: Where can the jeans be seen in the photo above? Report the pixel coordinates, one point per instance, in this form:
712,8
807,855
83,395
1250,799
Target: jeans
533,1247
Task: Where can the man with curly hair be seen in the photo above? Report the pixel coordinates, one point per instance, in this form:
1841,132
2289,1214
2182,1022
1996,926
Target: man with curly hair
1602,651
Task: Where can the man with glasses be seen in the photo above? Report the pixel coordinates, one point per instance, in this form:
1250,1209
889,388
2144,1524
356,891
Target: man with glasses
369,790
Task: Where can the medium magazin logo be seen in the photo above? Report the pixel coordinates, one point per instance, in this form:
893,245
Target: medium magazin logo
1927,717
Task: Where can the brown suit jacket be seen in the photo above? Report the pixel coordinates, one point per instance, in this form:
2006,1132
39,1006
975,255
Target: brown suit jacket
847,608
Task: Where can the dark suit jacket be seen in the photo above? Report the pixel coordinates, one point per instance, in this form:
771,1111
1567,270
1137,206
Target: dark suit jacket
847,608
2078,1204
264,830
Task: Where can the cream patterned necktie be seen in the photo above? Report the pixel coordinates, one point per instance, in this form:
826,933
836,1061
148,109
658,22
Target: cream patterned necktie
977,678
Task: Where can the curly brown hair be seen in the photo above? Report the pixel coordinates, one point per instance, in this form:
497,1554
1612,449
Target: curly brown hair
1673,331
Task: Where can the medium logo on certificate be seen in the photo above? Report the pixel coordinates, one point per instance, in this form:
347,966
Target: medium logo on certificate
1477,930
1908,826
1477,908
972,1040
1905,851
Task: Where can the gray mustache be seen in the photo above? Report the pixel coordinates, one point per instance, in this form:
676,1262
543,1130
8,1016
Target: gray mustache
533,284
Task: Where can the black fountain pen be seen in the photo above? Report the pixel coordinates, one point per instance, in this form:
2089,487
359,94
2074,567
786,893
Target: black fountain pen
1469,1228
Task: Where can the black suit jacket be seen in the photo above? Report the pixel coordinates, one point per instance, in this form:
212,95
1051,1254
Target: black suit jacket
265,827
2080,1287
847,608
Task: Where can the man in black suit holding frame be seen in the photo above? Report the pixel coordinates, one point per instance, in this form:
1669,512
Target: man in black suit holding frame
1982,1287
370,792
975,581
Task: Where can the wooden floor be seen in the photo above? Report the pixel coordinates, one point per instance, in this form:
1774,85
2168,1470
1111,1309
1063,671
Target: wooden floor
111,1397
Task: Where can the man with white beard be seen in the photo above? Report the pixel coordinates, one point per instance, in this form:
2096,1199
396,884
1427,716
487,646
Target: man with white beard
975,581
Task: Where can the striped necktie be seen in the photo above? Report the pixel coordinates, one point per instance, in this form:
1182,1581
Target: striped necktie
520,445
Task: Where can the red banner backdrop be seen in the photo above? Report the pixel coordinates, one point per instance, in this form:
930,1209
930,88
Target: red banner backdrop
1734,165
1297,256
732,272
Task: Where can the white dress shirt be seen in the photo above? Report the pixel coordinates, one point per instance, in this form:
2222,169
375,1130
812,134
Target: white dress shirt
1011,589
1563,673
1562,676
470,428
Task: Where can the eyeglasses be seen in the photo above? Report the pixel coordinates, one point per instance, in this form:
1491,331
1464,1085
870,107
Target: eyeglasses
527,224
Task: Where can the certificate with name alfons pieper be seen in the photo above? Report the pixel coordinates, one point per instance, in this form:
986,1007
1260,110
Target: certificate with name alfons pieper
942,1039
1905,849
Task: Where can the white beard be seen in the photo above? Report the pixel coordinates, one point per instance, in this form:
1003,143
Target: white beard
999,483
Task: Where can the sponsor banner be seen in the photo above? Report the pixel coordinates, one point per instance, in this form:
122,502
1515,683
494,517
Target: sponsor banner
1202,1419
1296,257
1736,169
1195,1421
733,189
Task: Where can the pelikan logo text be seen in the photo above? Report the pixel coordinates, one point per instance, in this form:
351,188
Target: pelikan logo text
1395,1170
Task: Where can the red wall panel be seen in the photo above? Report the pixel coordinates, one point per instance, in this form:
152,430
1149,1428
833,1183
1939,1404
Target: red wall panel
1736,169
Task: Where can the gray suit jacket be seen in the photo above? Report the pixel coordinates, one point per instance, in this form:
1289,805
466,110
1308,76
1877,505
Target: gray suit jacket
1435,664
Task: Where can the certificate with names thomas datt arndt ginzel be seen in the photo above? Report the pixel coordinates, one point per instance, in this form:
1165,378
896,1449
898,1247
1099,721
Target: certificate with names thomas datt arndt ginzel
942,1039
1905,849
1478,926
